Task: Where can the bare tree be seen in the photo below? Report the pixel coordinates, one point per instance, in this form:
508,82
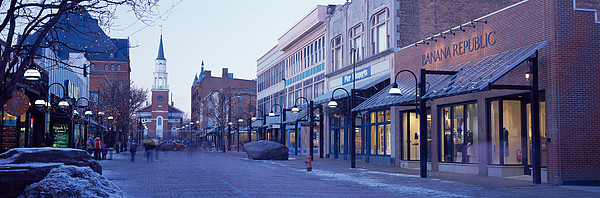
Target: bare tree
121,103
215,107
26,26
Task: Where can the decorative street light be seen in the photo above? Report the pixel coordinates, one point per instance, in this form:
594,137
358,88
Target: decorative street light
333,104
254,118
281,126
310,123
238,133
32,74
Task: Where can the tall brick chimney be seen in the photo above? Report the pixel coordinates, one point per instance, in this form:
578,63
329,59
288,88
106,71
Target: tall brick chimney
225,73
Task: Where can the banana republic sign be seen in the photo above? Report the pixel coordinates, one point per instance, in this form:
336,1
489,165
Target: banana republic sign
456,49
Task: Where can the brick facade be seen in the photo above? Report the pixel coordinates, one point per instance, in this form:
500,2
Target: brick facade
568,76
209,83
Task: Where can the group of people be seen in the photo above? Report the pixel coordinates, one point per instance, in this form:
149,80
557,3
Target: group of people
98,148
149,147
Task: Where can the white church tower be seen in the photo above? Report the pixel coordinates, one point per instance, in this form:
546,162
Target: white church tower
160,95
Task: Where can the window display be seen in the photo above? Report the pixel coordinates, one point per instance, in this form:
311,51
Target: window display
459,133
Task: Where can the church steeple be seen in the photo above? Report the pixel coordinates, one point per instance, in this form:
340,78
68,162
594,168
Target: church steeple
160,70
161,52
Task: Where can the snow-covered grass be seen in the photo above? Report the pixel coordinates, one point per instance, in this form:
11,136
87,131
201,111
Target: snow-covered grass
73,181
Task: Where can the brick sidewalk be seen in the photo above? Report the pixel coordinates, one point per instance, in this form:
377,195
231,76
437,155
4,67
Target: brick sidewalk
231,174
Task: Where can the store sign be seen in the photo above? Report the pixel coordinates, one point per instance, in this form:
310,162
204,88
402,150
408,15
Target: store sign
18,104
456,49
61,135
360,74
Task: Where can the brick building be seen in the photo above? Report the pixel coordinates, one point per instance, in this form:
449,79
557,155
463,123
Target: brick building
481,120
204,83
162,118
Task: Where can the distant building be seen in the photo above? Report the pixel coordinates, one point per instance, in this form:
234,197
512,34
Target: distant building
162,118
204,83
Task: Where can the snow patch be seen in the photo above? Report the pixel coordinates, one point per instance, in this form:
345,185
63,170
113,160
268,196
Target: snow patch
393,174
29,165
390,187
73,181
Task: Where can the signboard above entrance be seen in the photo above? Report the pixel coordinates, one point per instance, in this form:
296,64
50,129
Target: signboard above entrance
360,74
456,49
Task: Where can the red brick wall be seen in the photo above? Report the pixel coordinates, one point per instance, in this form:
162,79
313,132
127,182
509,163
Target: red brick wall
431,17
575,89
211,83
112,76
568,74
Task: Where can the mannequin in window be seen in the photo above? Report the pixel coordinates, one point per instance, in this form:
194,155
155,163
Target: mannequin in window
469,142
505,136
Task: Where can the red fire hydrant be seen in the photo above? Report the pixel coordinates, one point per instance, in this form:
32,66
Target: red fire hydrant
308,163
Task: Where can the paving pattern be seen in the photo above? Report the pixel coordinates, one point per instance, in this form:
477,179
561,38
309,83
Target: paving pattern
215,174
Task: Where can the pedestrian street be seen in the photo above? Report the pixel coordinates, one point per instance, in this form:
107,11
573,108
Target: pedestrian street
232,174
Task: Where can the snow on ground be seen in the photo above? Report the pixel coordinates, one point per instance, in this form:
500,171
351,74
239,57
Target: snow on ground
373,182
73,181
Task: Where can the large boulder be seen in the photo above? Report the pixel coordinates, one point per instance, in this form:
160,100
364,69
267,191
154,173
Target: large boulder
266,150
21,167
73,181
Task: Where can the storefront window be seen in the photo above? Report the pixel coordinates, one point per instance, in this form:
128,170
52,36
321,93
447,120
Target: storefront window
342,140
9,136
410,133
495,126
380,130
472,134
511,131
358,141
543,142
459,133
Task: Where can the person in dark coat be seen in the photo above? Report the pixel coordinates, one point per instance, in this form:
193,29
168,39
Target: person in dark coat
132,150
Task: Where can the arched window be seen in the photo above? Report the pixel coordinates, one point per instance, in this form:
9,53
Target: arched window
112,67
160,82
379,28
93,66
159,121
356,41
105,67
336,51
118,67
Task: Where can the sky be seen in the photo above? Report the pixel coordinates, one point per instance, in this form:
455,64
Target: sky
222,33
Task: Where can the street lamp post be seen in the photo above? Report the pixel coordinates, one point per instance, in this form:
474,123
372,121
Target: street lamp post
310,123
254,118
421,102
73,112
43,104
238,133
281,126
333,104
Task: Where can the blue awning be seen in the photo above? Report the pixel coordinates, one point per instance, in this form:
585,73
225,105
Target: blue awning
472,76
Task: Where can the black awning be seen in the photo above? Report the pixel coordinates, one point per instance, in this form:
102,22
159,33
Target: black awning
472,76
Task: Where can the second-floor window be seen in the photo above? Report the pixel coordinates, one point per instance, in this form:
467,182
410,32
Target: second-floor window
356,37
380,35
336,49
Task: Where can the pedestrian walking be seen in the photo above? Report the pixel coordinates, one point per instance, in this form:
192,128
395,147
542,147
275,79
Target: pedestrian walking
148,148
97,148
155,151
132,150
104,151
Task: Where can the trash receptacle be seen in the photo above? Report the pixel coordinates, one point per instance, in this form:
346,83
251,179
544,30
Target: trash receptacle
110,153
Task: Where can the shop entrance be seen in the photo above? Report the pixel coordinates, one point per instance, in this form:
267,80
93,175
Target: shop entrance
510,132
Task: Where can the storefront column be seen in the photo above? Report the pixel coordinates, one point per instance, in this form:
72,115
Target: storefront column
535,122
483,136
